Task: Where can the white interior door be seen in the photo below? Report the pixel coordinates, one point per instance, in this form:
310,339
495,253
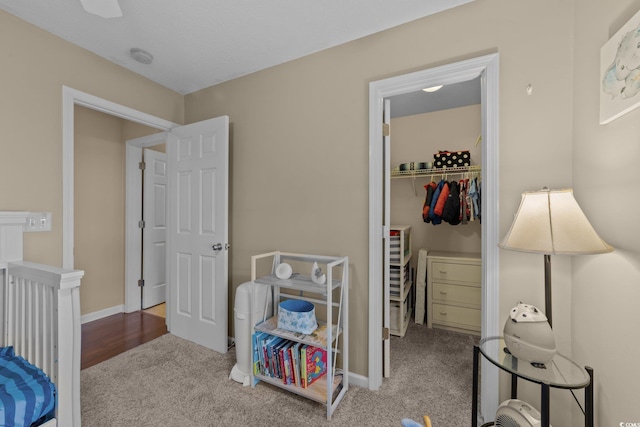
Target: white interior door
154,215
197,237
386,355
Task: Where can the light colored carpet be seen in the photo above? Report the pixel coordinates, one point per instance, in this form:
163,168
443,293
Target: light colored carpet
173,382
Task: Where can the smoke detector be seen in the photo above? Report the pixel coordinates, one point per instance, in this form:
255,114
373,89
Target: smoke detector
141,55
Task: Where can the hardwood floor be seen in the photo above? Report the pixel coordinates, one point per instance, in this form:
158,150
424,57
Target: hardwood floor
104,338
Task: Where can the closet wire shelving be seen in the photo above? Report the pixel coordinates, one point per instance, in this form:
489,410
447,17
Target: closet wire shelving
474,171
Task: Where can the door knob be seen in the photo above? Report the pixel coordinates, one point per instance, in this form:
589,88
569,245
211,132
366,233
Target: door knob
217,247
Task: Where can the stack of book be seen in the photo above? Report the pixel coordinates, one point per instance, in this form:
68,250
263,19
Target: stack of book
293,362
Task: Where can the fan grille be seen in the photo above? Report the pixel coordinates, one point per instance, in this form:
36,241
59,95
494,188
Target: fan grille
506,421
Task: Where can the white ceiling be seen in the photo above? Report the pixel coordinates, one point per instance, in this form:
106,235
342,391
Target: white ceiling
200,43
450,96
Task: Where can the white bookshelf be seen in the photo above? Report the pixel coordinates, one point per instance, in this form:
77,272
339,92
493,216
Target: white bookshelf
330,300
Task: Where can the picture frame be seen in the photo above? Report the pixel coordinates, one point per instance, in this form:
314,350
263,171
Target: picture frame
620,72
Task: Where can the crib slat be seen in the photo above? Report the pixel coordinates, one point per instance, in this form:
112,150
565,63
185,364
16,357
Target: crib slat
31,323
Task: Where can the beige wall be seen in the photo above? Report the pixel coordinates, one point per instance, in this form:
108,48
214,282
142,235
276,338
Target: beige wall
300,139
35,66
606,288
99,209
416,138
99,191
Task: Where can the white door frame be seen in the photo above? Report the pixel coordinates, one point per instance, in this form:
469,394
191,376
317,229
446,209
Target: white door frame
71,98
487,68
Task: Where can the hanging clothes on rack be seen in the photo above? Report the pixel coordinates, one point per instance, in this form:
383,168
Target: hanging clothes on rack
442,198
430,188
474,194
454,202
435,218
464,206
451,209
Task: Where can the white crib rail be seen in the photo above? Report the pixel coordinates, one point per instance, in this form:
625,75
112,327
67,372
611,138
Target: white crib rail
41,319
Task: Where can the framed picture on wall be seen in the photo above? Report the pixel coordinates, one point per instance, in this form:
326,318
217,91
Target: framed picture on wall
620,72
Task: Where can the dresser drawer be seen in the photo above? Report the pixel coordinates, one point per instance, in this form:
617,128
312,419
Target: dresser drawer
457,294
456,272
468,318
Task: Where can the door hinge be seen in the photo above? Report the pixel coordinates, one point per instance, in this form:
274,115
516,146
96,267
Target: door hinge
141,224
385,333
141,283
142,165
386,129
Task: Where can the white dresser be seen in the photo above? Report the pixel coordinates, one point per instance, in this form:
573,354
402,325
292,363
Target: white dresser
454,281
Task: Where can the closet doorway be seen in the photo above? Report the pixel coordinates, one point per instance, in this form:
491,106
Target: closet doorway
424,123
486,68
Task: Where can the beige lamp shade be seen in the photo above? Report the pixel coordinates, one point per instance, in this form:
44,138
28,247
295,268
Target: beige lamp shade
551,222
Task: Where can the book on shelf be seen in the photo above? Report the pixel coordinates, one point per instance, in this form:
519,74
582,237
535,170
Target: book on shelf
274,363
295,352
267,353
259,365
285,362
294,363
275,357
256,365
313,362
280,354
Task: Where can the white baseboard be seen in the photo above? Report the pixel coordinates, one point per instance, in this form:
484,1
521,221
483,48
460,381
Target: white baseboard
102,313
358,380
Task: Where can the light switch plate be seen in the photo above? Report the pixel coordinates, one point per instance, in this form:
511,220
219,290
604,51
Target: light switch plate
38,221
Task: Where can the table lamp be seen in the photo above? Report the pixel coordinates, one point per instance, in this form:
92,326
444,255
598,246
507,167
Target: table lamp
550,222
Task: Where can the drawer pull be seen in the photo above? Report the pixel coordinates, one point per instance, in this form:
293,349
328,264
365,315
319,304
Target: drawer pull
443,271
443,292
443,313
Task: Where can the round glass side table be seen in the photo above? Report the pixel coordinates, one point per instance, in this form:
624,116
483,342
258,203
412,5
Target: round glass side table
561,372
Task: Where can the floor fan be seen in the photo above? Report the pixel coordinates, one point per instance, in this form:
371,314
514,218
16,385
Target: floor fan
516,413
